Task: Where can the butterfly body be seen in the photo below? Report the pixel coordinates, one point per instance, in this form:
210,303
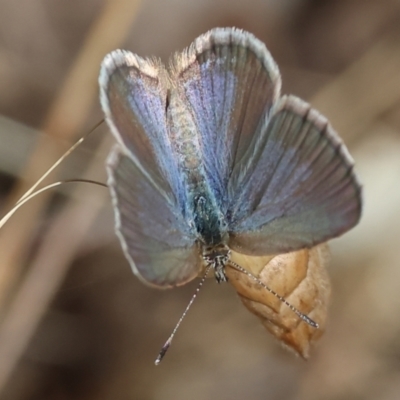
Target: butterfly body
202,209
210,157
204,215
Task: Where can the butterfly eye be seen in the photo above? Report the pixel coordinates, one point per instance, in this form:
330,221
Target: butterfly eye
301,278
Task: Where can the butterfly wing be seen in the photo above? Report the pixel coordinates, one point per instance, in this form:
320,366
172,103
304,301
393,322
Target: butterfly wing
281,175
156,240
144,180
229,82
298,188
133,95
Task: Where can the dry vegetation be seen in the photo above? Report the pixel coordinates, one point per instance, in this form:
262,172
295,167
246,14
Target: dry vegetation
74,321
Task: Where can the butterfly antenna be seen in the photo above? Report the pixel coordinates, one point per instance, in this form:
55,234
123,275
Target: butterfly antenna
304,317
25,198
167,344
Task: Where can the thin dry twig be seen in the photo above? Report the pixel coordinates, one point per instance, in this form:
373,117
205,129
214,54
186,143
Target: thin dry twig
47,271
65,118
54,256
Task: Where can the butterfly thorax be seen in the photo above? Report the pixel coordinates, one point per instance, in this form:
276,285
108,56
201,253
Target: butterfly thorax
208,222
218,257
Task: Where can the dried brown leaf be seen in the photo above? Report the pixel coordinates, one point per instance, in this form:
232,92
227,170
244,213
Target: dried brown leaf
301,278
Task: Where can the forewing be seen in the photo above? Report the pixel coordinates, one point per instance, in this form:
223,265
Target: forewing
133,94
298,188
229,82
156,240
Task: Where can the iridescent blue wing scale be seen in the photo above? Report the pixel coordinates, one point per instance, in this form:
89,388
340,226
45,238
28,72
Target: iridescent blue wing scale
133,95
300,189
281,175
149,201
229,82
155,238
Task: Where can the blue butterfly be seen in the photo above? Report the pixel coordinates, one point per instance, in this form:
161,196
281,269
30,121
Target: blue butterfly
211,158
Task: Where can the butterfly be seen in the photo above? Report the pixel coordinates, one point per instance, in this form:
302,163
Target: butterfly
210,158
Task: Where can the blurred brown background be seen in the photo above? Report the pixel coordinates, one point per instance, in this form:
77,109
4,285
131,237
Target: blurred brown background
75,322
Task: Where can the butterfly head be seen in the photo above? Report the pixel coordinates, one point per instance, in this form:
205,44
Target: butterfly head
217,256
